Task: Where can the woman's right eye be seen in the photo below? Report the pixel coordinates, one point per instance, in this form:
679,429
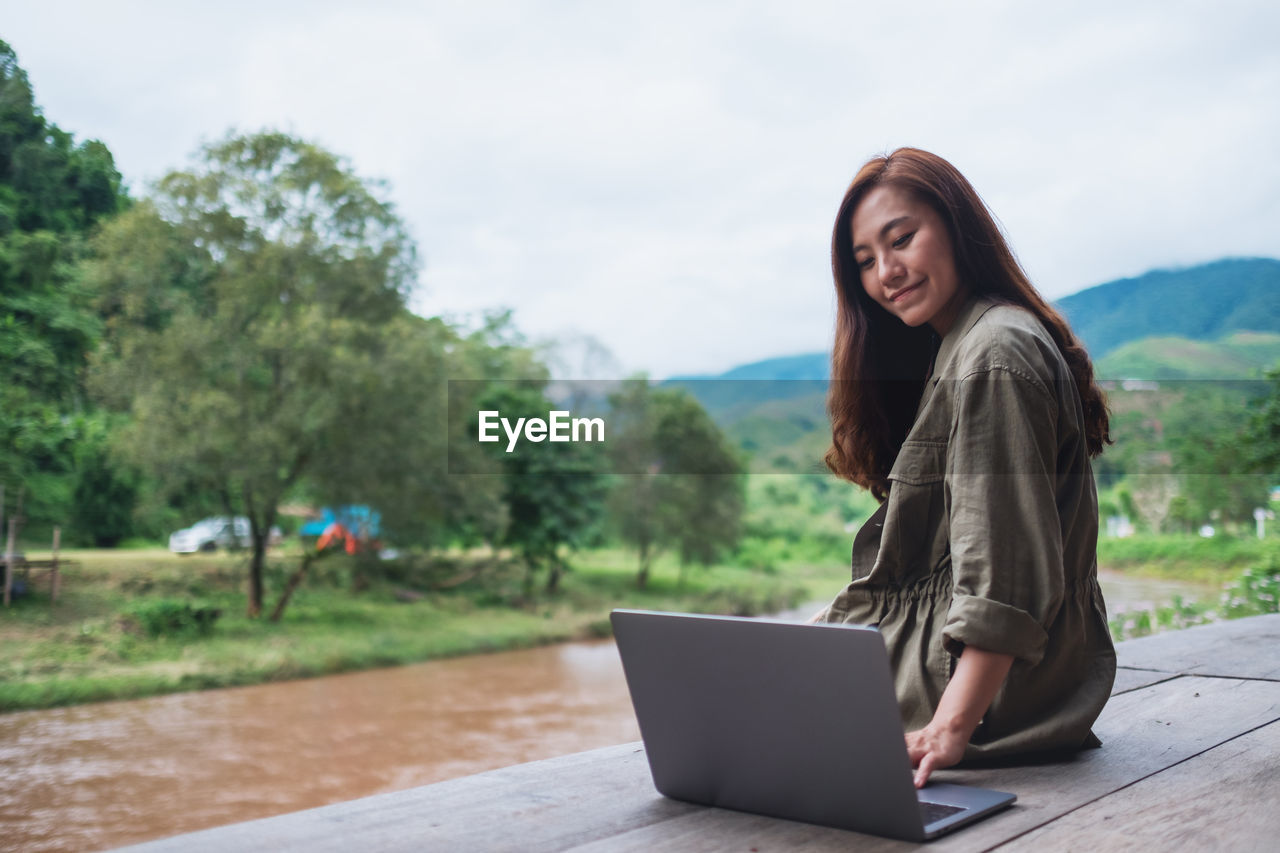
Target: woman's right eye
865,263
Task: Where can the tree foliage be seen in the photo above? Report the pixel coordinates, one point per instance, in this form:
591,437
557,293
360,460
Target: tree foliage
52,192
681,483
1219,476
248,305
553,492
1262,438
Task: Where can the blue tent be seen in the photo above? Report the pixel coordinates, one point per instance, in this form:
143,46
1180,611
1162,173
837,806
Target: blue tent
361,520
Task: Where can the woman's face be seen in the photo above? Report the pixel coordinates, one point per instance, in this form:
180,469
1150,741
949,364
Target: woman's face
905,258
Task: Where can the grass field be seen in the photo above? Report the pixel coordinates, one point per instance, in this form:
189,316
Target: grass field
93,644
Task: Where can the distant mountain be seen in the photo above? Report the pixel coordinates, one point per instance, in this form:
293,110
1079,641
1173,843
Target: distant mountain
813,365
736,393
1202,303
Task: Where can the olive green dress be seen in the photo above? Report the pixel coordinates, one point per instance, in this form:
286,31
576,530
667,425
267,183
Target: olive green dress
989,537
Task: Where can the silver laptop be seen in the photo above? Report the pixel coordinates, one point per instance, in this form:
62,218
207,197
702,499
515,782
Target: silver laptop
784,719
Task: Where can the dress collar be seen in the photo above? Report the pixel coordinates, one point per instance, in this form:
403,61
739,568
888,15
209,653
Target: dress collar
968,315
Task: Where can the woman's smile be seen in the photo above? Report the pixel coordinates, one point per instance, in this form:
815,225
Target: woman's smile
898,295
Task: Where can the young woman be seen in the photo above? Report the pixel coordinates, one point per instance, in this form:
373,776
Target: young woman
963,401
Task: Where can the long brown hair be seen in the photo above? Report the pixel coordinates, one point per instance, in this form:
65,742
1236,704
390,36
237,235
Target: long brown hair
878,363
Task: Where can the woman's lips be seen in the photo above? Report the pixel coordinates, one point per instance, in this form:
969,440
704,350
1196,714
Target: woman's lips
904,292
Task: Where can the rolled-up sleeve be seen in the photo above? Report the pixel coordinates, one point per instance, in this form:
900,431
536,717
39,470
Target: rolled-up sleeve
1006,537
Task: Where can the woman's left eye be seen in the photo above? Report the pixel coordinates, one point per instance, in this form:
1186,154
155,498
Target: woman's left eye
903,240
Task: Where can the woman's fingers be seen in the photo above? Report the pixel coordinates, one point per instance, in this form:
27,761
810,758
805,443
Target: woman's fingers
925,768
929,752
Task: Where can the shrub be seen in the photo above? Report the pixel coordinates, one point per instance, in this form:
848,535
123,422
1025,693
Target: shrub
1129,624
166,617
1257,591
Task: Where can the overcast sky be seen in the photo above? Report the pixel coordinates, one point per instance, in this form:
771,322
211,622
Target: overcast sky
662,177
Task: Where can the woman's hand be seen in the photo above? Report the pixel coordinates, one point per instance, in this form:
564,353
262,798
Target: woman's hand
973,685
934,747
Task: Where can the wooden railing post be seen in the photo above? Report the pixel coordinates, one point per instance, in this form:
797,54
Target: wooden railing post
8,562
57,539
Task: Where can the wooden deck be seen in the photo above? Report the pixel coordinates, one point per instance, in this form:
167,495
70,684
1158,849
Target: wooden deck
1191,762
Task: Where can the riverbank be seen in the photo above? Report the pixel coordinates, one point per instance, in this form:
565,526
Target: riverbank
94,643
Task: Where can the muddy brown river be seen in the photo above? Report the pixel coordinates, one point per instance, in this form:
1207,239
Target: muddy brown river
113,773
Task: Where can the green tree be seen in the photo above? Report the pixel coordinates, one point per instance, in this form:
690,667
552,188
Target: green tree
1262,437
247,305
553,491
681,483
1220,472
105,493
398,443
52,192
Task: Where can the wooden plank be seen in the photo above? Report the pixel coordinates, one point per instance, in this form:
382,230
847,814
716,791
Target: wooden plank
541,805
1144,731
1240,648
1223,799
1135,679
721,830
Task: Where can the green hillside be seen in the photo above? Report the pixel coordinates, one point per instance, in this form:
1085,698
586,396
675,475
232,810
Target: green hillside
1242,355
1203,303
784,435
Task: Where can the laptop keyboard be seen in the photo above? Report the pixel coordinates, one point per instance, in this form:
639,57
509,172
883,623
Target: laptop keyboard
931,812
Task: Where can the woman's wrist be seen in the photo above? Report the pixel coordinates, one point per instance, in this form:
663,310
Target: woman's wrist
951,723
977,678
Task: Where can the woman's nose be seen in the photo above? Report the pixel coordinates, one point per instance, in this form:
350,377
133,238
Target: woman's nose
891,269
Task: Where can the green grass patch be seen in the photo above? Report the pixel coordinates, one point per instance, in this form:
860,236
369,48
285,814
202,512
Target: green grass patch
1186,557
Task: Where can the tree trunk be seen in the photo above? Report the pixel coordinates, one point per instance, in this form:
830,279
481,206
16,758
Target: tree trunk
295,580
554,571
255,575
643,578
530,568
259,533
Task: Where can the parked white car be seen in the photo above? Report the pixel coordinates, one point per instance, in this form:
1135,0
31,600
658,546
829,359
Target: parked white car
220,532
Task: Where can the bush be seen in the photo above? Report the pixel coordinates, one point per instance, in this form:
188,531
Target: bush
170,618
762,555
1130,624
1257,591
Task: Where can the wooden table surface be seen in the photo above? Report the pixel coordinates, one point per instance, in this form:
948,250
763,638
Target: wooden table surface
1191,761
